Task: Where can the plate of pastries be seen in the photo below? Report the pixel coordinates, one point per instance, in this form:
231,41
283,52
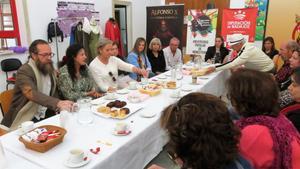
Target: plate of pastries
116,109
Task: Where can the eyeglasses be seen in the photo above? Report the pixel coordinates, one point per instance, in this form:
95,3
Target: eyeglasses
112,76
46,54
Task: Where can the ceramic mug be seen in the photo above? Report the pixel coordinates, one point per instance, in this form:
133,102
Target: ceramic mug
76,156
132,85
121,127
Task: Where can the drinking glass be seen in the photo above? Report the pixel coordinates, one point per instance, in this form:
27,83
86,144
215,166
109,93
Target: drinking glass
85,114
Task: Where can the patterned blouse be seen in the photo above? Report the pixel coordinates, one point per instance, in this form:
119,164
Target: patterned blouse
74,90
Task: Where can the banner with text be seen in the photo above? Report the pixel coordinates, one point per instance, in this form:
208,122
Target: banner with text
241,21
164,22
201,30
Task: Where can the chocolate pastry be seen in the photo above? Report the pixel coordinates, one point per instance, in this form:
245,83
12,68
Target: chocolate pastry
110,104
124,110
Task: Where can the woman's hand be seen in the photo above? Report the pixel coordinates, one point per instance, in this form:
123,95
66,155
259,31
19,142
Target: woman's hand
142,72
154,166
94,94
111,89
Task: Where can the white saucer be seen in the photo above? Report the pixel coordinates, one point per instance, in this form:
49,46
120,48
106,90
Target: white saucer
76,165
194,83
97,101
186,88
161,77
113,98
123,91
114,132
131,88
148,114
175,97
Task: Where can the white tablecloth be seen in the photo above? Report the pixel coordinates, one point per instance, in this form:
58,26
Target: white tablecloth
127,152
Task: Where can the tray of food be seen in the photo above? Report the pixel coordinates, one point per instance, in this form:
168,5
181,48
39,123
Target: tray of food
116,109
151,89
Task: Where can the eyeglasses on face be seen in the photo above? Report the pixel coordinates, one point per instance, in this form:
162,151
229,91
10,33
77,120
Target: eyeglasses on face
46,54
111,75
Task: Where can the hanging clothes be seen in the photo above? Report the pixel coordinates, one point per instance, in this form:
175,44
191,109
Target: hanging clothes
112,32
91,37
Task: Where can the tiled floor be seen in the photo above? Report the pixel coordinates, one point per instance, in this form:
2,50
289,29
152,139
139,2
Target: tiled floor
163,160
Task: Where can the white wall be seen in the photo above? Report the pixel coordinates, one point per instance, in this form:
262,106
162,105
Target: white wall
40,14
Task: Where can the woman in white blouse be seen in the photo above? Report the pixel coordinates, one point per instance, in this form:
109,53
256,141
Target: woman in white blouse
104,67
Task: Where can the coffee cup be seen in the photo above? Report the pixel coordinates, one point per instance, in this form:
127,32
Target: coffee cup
121,127
76,156
132,85
27,126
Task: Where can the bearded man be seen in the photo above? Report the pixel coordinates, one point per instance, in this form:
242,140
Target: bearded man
35,91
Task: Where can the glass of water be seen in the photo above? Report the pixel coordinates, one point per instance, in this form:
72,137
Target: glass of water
85,113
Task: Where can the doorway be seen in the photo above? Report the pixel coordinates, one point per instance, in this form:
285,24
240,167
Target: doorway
121,18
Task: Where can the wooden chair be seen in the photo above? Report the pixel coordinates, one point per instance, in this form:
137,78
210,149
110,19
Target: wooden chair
5,100
2,132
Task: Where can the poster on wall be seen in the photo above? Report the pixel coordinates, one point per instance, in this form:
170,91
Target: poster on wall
201,30
262,6
241,21
70,13
164,22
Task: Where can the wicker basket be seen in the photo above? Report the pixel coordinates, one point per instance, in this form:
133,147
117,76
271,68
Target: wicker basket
43,147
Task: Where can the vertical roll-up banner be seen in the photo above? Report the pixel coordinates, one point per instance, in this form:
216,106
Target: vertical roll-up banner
201,30
164,22
241,21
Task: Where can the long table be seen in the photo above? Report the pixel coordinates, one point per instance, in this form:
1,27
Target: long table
134,151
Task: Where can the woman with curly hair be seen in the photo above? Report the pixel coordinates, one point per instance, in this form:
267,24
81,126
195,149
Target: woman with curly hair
201,133
269,140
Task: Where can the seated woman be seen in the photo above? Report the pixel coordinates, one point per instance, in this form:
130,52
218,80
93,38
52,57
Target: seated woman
217,53
74,80
285,98
115,52
156,56
202,134
138,58
269,47
293,111
104,67
268,139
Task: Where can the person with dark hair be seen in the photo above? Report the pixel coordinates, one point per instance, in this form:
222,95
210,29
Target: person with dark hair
269,47
104,67
216,53
201,133
138,57
74,80
293,111
115,52
156,56
285,98
268,139
35,91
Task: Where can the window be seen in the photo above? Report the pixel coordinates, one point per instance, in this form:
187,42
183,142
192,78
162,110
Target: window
9,28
